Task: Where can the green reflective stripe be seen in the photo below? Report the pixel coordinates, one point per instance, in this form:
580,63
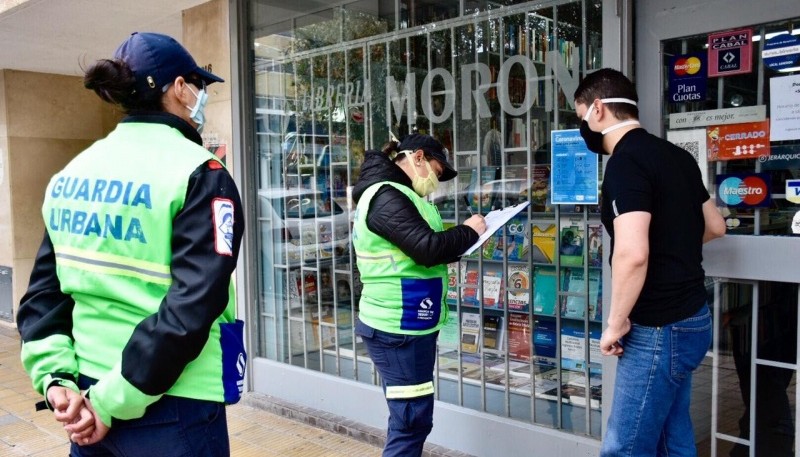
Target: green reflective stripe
380,258
399,392
143,265
389,253
101,266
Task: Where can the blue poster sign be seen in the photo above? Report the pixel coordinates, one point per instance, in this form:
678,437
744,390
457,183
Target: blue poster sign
574,169
781,51
687,78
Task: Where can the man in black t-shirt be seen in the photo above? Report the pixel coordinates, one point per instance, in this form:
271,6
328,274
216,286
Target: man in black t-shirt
658,214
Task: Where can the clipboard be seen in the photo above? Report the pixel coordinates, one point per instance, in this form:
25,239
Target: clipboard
494,220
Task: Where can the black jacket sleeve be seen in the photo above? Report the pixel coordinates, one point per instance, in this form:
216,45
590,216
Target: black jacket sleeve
164,343
44,310
393,216
44,321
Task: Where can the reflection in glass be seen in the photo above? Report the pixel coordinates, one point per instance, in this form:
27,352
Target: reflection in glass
776,342
775,399
736,302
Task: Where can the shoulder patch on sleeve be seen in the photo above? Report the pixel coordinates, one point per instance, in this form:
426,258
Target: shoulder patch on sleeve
222,217
214,165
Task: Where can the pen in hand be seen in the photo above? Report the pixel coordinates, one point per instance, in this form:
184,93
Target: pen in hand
469,207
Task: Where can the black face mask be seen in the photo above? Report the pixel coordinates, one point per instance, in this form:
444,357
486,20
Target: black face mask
594,140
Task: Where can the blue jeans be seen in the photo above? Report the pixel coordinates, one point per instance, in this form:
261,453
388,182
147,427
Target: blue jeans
170,427
404,361
650,412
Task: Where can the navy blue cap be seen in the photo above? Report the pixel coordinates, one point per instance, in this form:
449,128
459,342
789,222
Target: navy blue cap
432,148
156,60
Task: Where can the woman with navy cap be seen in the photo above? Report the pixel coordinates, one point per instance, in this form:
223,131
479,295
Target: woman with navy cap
402,253
128,325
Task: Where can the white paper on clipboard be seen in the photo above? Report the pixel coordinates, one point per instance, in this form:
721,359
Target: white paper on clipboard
494,220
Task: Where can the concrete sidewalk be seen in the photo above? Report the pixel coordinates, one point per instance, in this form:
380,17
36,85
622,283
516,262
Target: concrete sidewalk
253,432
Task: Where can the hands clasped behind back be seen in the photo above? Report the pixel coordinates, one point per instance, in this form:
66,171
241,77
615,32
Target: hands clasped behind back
69,409
476,222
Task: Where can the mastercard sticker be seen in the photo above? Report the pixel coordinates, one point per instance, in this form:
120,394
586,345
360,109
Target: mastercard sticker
687,78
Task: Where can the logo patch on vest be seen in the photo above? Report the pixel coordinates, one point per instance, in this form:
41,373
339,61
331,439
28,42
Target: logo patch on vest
222,216
422,303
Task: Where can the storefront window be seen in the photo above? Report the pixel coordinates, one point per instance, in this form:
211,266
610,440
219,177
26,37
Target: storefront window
731,100
752,407
491,82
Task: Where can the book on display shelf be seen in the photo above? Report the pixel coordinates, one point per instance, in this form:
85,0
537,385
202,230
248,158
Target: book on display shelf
545,337
540,189
470,332
300,333
493,332
545,380
528,369
449,336
519,368
574,306
543,248
577,395
567,376
334,327
447,359
310,287
518,335
572,384
471,365
508,242
544,388
470,295
573,387
596,295
452,283
519,278
571,248
573,347
494,361
493,289
450,365
474,373
492,376
516,383
294,286
544,290
594,242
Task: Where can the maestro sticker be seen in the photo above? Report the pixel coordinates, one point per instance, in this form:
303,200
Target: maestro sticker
743,191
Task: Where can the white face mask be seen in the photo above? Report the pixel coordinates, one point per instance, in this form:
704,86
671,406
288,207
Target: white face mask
423,186
197,112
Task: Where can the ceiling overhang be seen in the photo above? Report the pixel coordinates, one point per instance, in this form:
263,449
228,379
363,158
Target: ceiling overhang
61,36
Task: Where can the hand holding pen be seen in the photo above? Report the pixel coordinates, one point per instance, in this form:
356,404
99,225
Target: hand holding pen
476,221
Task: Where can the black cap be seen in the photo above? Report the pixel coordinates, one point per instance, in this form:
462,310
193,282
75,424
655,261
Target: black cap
156,60
432,148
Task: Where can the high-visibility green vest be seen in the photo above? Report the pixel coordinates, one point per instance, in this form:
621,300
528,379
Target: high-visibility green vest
109,215
399,296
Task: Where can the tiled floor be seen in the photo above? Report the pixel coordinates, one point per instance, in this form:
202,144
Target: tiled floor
253,432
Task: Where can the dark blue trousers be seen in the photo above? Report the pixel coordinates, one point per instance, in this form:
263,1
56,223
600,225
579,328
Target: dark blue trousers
170,427
405,363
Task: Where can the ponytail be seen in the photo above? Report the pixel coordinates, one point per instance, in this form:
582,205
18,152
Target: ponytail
113,81
391,148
